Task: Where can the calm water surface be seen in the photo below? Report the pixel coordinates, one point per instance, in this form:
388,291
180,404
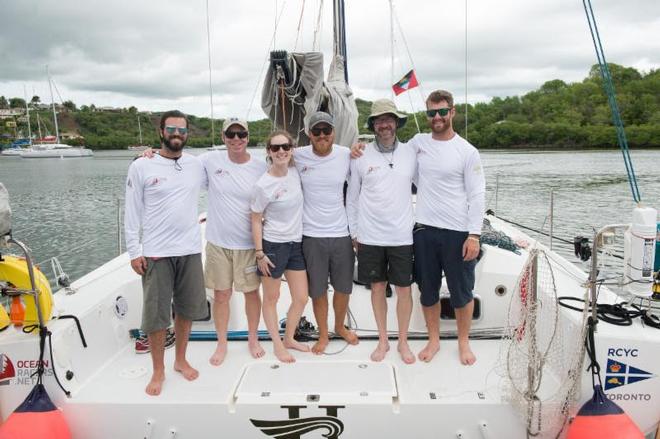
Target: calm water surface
68,208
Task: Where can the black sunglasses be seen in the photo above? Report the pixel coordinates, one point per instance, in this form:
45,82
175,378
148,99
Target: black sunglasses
441,111
325,130
284,146
234,134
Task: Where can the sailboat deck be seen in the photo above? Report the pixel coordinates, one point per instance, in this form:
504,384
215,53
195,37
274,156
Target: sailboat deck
348,377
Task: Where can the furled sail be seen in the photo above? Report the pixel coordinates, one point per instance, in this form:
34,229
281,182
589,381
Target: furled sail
294,89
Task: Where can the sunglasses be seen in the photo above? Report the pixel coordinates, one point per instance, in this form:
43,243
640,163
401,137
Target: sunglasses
234,134
169,129
441,111
325,130
284,146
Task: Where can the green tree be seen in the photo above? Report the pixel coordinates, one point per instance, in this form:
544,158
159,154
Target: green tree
3,102
16,103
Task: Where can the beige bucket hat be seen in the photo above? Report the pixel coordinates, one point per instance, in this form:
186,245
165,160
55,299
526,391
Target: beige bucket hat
385,106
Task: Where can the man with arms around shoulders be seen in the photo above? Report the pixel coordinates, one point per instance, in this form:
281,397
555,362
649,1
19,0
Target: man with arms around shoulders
230,254
380,212
161,201
327,246
450,207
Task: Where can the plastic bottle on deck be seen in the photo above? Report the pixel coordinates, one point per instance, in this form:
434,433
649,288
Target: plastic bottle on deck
639,245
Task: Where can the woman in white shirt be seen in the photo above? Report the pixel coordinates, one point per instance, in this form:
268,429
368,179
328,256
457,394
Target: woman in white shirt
277,205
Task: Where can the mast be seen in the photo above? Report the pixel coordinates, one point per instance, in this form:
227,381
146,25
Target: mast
208,46
340,33
52,102
27,113
139,128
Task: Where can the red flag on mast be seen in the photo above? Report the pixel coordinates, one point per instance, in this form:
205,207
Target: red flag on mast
406,83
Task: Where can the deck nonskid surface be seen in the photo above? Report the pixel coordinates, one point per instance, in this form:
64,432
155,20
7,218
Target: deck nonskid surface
444,380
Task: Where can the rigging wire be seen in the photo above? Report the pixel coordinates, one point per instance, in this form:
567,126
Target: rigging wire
611,98
208,46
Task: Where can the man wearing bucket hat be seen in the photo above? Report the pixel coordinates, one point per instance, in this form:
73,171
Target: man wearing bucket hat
327,247
450,208
380,212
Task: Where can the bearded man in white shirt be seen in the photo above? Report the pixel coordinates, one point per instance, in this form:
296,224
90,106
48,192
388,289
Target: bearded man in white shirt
161,201
327,247
449,213
380,212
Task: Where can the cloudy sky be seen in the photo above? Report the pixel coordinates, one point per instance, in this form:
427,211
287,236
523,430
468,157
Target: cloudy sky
153,54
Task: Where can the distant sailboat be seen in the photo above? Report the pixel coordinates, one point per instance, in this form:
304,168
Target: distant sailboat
140,146
55,149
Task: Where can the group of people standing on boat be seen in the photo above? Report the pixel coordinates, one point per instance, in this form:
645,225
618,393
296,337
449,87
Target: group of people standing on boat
289,216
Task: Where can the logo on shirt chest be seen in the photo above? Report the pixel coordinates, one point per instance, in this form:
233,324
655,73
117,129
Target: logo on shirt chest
306,169
221,172
372,169
156,181
280,193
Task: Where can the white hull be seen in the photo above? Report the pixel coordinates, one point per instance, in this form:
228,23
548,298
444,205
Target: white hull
13,152
441,399
56,151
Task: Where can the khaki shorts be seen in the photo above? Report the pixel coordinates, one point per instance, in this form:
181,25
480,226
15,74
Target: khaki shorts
226,268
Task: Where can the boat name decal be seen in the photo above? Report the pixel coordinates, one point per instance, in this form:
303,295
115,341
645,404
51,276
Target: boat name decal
295,427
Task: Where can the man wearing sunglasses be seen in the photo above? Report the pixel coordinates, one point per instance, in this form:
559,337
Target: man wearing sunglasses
161,202
230,253
327,248
380,212
449,212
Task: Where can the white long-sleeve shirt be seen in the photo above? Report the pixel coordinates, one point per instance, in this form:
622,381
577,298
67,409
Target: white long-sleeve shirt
230,191
451,186
324,214
379,199
162,199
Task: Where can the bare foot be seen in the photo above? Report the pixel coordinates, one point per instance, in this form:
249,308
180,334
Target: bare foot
380,352
156,384
185,369
406,354
350,336
255,349
293,344
427,354
283,355
465,354
320,345
219,355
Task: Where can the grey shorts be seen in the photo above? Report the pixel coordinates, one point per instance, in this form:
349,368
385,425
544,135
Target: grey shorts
178,279
331,258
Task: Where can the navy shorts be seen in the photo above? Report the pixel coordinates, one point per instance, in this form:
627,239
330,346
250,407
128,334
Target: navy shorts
437,251
285,256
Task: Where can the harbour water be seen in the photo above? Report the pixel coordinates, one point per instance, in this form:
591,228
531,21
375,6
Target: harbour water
69,208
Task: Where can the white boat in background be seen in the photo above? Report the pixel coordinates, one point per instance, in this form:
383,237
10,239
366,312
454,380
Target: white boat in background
13,152
55,149
217,148
140,146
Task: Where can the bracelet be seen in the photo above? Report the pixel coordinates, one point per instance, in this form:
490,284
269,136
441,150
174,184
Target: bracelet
473,238
258,249
260,258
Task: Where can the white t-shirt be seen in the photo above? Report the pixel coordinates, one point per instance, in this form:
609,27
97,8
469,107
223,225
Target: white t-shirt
161,200
280,199
324,214
379,199
451,186
230,191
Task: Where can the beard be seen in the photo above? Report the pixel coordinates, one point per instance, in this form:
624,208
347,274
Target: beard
441,128
167,142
